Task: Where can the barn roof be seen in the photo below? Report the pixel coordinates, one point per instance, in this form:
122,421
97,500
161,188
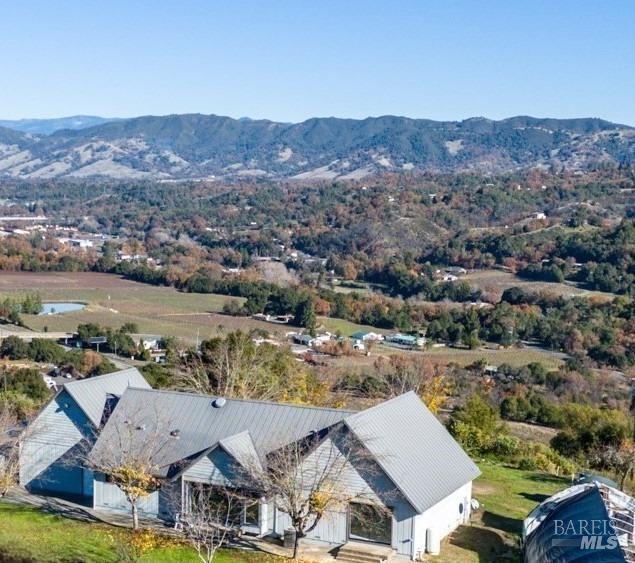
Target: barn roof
553,530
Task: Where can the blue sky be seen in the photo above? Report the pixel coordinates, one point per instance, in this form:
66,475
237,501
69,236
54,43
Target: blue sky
290,60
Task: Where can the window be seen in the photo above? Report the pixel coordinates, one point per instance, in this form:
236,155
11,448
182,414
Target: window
240,512
252,514
370,523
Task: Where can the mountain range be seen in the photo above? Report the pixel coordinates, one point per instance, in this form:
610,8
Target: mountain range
195,146
48,126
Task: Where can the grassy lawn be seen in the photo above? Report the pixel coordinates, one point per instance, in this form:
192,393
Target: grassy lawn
516,357
345,328
506,495
28,534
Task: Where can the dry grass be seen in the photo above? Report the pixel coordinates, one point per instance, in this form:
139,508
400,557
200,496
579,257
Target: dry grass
62,280
113,301
345,328
531,432
516,357
497,280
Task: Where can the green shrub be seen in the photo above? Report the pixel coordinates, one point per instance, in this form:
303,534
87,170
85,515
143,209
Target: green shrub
505,446
472,438
527,463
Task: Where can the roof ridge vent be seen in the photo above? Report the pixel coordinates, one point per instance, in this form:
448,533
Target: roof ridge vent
219,402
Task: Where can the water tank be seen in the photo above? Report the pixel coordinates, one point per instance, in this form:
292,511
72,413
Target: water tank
433,541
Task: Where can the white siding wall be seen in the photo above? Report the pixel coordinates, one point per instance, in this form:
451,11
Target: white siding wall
443,517
110,497
160,504
369,484
408,527
271,515
333,528
403,518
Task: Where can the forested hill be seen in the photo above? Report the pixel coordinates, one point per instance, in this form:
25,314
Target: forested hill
201,146
48,126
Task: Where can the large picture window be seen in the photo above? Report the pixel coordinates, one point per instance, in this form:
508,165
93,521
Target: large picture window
369,523
240,512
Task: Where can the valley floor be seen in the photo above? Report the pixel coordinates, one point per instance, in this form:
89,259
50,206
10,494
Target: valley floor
112,301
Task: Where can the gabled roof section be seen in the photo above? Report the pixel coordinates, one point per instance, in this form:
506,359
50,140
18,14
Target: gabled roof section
241,447
406,440
414,449
241,425
91,393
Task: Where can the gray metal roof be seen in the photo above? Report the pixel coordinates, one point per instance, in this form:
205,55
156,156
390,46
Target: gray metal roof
91,393
241,447
414,449
201,425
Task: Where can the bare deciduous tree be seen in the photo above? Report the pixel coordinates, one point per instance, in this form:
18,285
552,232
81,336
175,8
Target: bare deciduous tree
229,367
210,519
418,373
234,366
130,456
307,479
10,436
14,432
618,458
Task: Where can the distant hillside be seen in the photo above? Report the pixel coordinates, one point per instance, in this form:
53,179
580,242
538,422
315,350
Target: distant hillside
11,137
48,126
202,146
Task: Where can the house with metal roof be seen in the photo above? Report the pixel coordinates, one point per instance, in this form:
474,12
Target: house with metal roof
408,340
48,458
422,478
364,335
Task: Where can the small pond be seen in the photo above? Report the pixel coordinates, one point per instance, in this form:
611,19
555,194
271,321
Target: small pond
60,307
